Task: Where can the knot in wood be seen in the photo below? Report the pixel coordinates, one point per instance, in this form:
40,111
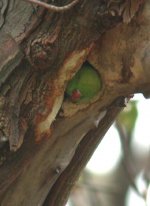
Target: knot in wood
43,52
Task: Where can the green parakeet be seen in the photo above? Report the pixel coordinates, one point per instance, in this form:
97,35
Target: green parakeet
84,85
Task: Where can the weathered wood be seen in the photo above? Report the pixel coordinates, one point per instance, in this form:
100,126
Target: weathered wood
53,53
44,55
61,189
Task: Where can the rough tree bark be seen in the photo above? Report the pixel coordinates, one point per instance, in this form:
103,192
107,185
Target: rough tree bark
40,51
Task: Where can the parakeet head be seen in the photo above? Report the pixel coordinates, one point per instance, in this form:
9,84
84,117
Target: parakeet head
84,85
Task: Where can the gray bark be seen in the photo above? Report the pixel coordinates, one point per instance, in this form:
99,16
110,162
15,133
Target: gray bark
39,53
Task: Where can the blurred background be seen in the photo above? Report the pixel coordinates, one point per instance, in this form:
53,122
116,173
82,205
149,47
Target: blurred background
118,173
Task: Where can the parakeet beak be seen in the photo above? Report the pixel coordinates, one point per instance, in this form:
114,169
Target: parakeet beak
76,95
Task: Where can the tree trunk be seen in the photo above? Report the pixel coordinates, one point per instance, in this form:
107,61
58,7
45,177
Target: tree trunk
46,140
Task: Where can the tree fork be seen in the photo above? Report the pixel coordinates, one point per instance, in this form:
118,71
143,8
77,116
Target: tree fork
40,59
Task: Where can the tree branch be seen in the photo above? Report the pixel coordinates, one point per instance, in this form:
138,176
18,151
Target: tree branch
54,8
60,191
127,158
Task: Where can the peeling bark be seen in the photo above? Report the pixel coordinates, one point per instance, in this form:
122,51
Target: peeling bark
37,59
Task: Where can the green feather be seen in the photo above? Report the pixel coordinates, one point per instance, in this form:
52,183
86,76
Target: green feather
87,81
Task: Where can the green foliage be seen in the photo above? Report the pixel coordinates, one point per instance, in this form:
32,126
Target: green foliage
84,85
127,118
